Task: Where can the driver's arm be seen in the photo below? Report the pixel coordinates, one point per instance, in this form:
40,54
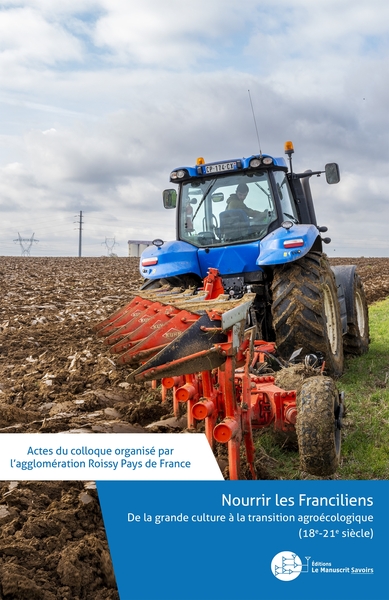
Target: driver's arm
256,214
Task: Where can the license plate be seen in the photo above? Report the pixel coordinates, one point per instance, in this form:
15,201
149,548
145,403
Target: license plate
230,166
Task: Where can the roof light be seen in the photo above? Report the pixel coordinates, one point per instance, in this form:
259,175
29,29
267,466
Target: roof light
200,161
254,163
148,262
180,174
289,148
295,243
267,160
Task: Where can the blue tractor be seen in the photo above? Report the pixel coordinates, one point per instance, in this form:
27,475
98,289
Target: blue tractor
253,219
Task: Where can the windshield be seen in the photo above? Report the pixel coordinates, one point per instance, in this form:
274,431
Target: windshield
226,210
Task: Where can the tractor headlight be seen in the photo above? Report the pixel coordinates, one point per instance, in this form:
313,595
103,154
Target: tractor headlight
267,160
255,162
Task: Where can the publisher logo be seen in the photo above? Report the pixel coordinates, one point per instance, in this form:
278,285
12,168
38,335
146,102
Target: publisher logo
286,565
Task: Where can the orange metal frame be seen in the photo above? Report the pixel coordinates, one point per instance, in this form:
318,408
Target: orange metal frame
232,402
230,399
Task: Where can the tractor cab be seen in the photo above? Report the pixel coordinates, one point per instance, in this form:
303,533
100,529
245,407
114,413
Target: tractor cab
232,202
238,216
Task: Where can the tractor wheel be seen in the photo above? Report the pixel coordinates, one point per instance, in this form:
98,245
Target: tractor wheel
151,284
356,340
319,415
306,311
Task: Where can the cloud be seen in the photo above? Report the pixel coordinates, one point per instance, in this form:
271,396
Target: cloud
28,38
103,98
56,8
170,35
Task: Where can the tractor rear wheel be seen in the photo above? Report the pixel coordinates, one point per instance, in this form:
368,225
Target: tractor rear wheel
306,311
319,414
356,340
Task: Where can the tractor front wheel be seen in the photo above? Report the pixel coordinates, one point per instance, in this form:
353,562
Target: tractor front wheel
306,312
319,416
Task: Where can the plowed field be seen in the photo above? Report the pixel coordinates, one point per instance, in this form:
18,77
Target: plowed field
56,375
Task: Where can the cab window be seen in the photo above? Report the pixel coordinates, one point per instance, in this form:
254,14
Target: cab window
230,209
286,200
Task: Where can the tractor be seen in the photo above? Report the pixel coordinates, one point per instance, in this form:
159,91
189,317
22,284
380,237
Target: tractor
246,285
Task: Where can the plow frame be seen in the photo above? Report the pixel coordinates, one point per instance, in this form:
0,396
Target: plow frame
200,349
230,399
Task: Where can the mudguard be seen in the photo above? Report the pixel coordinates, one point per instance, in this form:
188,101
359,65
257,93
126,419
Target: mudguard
173,258
286,245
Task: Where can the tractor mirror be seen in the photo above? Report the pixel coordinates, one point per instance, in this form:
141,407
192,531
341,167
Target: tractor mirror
170,198
217,197
332,173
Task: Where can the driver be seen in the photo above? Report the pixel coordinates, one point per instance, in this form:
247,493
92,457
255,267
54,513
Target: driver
236,202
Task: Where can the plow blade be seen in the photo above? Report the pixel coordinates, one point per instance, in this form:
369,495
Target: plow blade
201,361
195,350
140,327
122,316
147,326
159,337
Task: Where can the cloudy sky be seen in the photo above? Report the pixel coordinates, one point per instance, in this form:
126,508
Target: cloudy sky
101,99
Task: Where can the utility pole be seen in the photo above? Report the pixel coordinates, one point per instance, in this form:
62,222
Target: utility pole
79,233
25,249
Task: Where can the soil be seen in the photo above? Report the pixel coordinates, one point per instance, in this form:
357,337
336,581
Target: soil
374,273
57,375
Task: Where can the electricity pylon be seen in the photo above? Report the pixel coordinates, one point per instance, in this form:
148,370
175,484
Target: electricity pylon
23,243
109,244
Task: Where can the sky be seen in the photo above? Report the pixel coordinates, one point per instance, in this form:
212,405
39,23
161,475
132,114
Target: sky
101,99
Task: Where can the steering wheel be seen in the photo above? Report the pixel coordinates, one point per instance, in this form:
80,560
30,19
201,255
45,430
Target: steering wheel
215,224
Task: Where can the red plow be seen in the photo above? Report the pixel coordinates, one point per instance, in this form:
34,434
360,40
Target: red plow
198,345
